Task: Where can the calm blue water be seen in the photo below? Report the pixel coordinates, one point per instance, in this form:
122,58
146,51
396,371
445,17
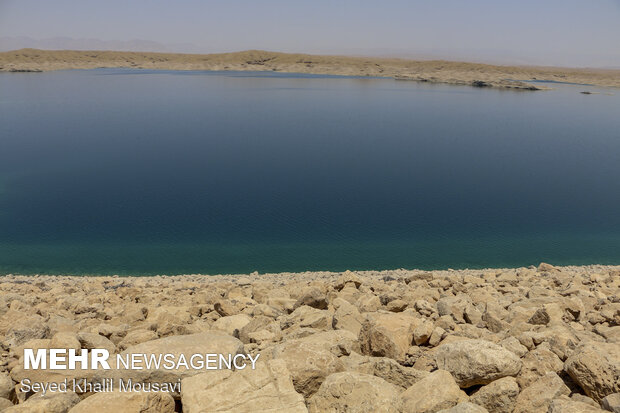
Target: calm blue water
154,172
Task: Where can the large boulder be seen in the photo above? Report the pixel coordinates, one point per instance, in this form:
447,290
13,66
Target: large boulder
537,363
120,402
473,362
565,405
465,407
611,403
435,392
311,359
48,403
231,324
499,396
537,397
268,388
596,368
6,386
346,317
388,334
386,368
355,392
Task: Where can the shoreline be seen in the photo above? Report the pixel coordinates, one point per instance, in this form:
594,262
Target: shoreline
310,274
431,71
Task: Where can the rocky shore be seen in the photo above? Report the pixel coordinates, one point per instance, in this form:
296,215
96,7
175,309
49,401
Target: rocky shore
526,340
435,71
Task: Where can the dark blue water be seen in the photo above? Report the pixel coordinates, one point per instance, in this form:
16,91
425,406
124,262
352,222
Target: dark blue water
142,172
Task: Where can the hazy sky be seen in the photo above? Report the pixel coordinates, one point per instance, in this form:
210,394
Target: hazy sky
560,32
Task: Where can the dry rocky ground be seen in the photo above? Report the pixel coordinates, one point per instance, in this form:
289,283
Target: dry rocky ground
523,340
435,71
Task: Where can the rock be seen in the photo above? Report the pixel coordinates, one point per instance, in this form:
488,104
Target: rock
5,404
512,344
436,336
91,340
306,316
537,363
423,332
48,403
433,393
346,317
137,336
211,342
565,405
313,297
65,340
231,324
117,402
267,388
611,403
386,368
348,278
473,362
498,396
387,334
6,386
226,308
596,368
368,303
537,397
311,359
355,392
465,407
27,329
396,306
544,267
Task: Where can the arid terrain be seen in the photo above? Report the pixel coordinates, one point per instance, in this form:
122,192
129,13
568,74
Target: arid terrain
458,73
526,340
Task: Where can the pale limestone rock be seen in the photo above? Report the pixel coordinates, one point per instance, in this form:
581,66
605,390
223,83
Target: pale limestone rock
396,306
436,336
474,362
596,368
537,363
565,405
311,359
129,402
423,332
6,386
355,392
348,278
312,297
512,344
386,368
368,303
268,388
231,324
435,392
91,340
537,397
50,403
611,403
5,404
388,334
346,317
498,396
465,407
136,336
65,340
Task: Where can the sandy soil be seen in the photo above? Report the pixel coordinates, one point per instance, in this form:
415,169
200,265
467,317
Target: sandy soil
436,71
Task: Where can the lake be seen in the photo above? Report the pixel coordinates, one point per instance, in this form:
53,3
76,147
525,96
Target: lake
120,171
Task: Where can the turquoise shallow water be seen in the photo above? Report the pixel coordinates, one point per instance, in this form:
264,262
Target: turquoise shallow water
122,171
